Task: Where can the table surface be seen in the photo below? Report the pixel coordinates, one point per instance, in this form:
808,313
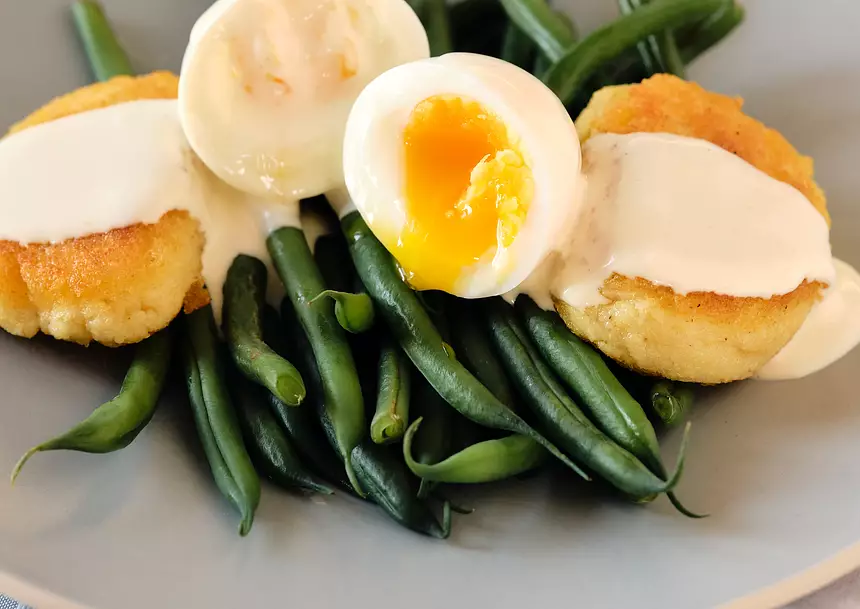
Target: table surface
842,594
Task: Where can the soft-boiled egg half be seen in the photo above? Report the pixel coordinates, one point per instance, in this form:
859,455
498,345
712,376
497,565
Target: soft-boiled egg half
465,167
267,85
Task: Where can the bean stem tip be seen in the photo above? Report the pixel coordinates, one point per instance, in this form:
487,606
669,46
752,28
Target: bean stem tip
20,465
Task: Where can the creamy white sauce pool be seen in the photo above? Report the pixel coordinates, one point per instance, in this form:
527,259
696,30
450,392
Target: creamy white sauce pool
685,213
831,330
122,165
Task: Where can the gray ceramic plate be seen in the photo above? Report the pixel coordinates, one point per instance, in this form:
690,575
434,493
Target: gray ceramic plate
775,463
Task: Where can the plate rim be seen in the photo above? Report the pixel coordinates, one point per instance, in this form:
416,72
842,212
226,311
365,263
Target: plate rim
801,584
774,596
20,590
791,588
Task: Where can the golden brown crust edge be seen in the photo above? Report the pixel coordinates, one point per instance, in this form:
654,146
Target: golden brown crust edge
701,337
698,337
117,287
668,104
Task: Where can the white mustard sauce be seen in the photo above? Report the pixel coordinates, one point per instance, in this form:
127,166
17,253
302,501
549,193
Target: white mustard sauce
830,331
122,165
684,213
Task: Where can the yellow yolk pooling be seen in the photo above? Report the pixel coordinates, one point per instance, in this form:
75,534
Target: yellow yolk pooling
467,188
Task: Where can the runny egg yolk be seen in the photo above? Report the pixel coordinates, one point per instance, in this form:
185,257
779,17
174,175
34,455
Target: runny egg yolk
467,188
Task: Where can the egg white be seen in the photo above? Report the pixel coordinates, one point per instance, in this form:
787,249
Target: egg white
373,155
288,147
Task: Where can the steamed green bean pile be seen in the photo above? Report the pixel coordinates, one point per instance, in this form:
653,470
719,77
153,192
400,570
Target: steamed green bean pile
361,385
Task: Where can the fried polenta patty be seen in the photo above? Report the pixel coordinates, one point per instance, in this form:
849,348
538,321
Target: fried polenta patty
701,336
117,287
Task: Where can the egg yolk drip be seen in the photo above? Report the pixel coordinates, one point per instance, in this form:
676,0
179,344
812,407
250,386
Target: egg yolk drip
468,190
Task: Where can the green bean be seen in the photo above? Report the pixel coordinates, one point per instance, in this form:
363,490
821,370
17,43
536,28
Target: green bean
386,479
542,63
610,406
673,398
541,66
389,484
107,58
647,48
434,14
486,41
244,297
342,395
517,47
450,315
482,462
392,403
659,52
671,402
475,351
568,22
268,444
434,442
354,312
310,443
413,329
332,257
709,32
318,206
671,54
470,14
571,71
115,424
563,420
543,25
302,424
597,390
335,264
215,417
626,69
478,26
435,303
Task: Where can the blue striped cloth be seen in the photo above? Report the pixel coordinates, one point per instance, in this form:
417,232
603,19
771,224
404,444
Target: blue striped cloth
8,603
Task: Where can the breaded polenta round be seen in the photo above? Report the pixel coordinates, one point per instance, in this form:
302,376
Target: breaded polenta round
114,288
702,336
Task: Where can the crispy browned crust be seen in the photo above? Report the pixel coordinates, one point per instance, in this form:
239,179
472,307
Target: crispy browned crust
702,336
699,337
668,104
117,287
197,297
17,314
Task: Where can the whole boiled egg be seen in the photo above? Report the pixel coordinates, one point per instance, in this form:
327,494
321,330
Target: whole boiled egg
466,168
267,85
